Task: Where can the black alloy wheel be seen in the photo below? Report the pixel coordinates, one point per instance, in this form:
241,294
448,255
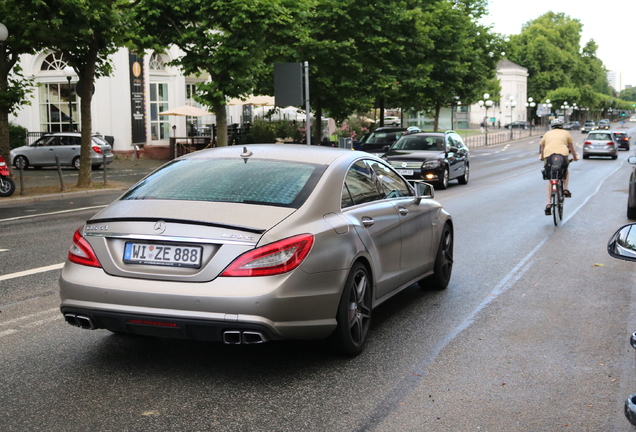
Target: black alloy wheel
443,268
354,312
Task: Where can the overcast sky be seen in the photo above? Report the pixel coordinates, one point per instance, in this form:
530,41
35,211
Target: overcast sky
609,23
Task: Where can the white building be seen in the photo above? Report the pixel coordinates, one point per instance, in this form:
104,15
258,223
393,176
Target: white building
125,105
513,98
615,79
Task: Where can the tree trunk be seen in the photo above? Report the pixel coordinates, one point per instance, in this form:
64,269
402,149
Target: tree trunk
221,125
381,106
87,78
438,106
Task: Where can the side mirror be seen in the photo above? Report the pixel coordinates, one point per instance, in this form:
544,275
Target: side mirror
386,148
623,243
423,190
632,160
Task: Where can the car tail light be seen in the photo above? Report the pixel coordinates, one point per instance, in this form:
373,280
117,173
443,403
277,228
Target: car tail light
610,143
272,259
587,143
81,252
96,149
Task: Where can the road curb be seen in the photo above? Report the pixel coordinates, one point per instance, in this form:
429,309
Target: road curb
22,199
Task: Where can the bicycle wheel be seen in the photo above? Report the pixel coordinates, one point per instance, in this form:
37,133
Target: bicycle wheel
561,199
554,202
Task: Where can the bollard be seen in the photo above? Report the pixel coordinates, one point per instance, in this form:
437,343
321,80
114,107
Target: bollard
105,169
59,173
21,168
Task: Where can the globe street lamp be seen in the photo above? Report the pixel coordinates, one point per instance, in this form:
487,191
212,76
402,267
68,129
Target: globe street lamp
68,71
4,33
529,105
487,104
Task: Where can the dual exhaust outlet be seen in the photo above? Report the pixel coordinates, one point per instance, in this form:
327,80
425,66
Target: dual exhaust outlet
79,321
237,337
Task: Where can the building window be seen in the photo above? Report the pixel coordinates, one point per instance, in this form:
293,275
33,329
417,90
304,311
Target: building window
54,108
159,124
54,62
156,62
54,98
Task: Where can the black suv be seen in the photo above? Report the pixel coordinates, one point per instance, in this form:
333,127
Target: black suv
376,141
430,156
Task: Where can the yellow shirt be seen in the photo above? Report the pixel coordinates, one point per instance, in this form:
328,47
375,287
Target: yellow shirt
556,141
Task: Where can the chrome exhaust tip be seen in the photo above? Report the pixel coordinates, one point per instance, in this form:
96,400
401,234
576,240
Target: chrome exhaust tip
70,319
232,337
250,337
79,321
85,322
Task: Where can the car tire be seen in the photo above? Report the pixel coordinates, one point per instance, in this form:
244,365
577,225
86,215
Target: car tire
76,163
354,312
631,213
614,157
21,161
7,187
586,156
630,409
443,183
464,179
443,267
96,167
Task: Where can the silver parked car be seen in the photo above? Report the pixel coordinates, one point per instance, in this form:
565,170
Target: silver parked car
600,143
264,242
66,146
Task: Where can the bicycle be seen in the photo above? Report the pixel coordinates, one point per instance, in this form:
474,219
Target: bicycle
556,195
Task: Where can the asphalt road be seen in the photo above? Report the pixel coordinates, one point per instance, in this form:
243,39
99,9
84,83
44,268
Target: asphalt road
531,335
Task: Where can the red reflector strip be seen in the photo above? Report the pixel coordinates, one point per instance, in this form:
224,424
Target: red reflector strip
153,323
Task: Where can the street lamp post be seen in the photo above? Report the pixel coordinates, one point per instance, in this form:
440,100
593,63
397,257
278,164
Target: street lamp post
487,104
529,105
513,104
453,108
68,71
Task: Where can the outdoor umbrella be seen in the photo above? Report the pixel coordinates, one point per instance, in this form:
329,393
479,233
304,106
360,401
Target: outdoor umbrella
186,110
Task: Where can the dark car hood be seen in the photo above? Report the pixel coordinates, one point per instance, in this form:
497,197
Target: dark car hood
418,155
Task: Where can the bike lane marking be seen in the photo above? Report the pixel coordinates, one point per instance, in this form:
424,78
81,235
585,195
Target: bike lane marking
31,272
52,213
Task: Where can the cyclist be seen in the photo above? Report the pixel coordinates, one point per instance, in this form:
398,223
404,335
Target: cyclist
558,141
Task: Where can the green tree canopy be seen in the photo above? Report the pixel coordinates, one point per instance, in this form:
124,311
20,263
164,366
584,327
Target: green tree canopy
228,40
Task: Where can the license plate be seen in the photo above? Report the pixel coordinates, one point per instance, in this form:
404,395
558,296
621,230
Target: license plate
163,255
405,172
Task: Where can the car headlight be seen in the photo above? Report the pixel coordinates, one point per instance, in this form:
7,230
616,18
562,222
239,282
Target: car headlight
432,164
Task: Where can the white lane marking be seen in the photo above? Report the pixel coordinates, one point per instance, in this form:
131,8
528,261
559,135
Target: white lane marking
31,272
3,250
15,320
7,332
52,213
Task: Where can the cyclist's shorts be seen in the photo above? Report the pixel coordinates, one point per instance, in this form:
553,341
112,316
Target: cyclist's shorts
556,166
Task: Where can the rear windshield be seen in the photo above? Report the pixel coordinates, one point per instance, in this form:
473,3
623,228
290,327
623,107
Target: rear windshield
599,137
253,181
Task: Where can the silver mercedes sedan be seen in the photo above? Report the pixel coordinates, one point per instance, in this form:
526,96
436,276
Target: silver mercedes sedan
247,244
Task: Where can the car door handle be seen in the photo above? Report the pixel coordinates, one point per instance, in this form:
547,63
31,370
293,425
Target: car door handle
403,211
367,221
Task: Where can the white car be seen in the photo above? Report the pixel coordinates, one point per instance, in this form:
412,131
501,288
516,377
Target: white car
391,121
632,119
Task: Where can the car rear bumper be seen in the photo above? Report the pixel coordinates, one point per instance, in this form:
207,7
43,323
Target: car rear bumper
277,306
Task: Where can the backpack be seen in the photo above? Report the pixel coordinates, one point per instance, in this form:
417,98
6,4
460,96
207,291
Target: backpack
556,166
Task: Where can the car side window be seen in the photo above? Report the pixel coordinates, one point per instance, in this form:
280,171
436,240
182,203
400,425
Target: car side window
361,184
75,140
392,185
